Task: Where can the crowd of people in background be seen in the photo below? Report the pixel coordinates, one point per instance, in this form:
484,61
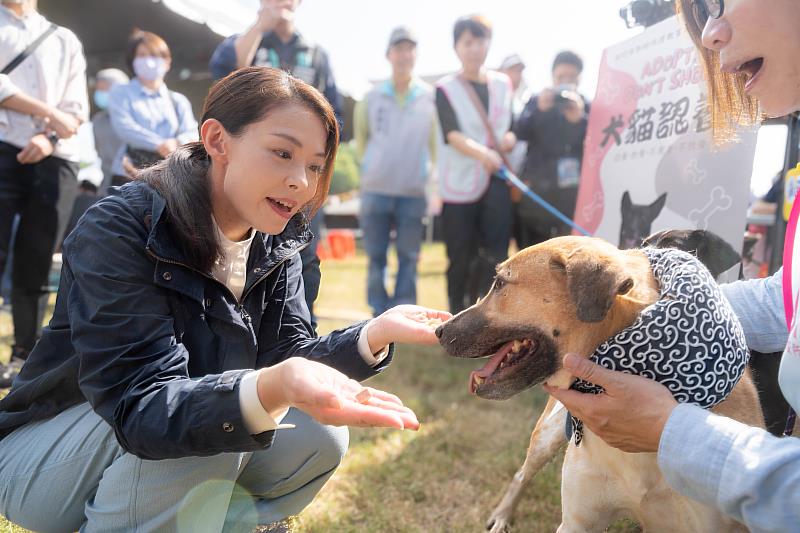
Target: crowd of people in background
445,148
423,150
423,146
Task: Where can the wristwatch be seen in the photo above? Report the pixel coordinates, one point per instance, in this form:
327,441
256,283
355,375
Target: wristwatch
52,137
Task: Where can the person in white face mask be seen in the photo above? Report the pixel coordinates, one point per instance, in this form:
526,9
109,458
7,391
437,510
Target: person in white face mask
106,141
151,120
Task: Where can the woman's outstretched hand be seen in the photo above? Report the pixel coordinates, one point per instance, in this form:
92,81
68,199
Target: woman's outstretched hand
410,324
330,397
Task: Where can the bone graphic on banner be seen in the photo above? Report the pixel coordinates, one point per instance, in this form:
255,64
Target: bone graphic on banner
719,202
695,173
589,210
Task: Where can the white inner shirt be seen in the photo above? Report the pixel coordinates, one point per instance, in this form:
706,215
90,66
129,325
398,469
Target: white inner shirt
231,270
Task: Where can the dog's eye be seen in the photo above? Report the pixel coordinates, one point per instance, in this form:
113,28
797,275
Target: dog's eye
498,284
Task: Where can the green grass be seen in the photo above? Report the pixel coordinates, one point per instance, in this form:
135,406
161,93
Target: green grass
448,476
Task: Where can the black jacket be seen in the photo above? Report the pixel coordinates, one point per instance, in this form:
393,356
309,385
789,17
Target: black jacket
158,348
550,137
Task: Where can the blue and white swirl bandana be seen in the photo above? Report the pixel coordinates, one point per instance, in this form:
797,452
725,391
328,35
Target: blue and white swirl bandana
689,340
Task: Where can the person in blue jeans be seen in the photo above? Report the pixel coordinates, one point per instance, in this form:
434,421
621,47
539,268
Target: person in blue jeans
750,51
395,132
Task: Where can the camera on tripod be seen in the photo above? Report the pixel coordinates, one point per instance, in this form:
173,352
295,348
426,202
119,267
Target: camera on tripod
647,12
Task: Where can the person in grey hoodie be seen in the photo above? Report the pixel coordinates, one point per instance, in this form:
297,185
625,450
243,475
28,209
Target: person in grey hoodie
396,140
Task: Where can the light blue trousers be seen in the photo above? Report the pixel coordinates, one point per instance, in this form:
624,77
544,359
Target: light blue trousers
69,473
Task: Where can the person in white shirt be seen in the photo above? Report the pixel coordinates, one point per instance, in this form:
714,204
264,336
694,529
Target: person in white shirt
43,101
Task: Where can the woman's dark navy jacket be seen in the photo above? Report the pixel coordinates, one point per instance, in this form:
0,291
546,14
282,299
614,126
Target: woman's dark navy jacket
158,348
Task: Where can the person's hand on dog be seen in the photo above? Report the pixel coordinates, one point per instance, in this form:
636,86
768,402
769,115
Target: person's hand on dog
330,397
629,415
410,324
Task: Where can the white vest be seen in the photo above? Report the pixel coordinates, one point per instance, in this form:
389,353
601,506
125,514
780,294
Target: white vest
462,179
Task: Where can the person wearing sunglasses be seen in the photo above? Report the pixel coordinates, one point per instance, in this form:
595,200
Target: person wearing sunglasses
751,53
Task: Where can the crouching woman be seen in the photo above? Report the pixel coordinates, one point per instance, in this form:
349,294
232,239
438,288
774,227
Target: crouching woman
179,385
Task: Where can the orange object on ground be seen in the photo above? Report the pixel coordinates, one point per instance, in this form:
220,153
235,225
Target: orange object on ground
342,243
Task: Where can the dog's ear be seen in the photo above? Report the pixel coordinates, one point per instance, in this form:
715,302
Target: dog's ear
714,252
626,201
593,285
657,206
654,240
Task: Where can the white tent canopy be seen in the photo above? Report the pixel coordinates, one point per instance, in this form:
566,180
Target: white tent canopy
224,18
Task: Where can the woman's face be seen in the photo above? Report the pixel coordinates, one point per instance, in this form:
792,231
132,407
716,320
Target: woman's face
472,50
761,38
273,168
149,65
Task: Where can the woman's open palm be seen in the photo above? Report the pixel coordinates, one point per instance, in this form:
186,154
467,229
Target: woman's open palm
332,398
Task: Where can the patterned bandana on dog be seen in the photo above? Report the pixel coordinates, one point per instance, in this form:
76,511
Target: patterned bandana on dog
689,340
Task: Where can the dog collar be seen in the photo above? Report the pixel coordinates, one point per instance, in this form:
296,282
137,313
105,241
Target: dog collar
689,340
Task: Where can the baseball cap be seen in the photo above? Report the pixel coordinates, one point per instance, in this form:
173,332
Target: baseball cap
511,61
401,34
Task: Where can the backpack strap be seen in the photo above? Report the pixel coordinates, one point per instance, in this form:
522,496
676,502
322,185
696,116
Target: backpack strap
476,101
29,50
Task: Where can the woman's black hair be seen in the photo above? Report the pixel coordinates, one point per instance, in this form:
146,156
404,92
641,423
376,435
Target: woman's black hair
568,58
242,98
477,25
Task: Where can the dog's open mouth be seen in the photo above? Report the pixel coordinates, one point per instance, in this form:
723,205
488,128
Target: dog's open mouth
503,364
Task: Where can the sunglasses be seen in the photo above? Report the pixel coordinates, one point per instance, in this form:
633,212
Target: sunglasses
705,9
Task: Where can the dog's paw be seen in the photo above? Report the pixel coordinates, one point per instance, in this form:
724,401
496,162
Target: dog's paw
498,524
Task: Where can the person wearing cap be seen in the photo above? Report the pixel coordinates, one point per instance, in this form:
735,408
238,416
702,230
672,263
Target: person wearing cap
395,137
106,141
553,124
513,66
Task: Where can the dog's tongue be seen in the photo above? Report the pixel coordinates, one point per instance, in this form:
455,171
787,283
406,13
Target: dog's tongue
490,366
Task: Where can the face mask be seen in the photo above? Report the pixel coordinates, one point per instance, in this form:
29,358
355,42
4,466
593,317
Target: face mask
150,68
101,99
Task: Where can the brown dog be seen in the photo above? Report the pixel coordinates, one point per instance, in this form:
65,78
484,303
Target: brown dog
568,295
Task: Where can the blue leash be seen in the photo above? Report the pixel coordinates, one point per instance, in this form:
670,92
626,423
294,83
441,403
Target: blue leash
516,182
